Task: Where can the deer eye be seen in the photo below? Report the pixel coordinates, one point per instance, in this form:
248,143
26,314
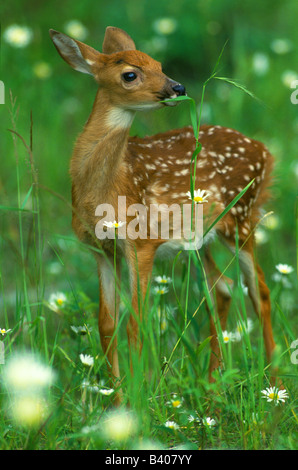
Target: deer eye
129,76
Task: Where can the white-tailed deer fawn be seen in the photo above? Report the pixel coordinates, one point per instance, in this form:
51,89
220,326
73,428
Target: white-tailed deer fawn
108,163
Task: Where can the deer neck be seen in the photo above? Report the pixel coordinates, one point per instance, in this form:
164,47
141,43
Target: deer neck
100,149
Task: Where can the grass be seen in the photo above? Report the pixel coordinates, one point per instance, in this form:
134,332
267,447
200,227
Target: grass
39,256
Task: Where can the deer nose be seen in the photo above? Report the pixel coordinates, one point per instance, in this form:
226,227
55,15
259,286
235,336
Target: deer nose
179,89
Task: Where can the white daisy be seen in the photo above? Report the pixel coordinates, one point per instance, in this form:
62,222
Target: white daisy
228,336
171,425
243,328
160,290
209,422
3,331
273,394
113,224
57,300
81,330
106,391
163,279
87,360
284,268
175,402
199,196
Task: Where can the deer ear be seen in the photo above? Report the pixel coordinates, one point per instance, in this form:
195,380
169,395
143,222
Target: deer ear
117,40
77,54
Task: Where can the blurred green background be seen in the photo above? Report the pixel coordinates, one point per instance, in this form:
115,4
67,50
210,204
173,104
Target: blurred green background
187,37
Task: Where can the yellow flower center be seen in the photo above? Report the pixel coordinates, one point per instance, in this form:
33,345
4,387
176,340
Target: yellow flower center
273,396
163,281
176,403
59,301
198,199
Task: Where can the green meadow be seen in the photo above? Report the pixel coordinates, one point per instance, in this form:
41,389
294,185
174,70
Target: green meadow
54,387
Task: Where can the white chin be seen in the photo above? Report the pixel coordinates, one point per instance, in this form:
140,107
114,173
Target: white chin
144,106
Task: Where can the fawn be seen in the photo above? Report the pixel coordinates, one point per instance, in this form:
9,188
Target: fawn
107,162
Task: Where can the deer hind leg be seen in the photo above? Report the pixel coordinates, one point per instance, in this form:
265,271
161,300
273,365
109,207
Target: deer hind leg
221,297
108,319
259,294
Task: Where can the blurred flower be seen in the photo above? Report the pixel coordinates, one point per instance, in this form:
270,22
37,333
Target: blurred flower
163,325
119,425
209,422
278,277
228,336
171,425
284,268
147,444
57,300
55,267
71,105
26,373
106,391
294,165
199,195
81,330
281,46
29,410
91,387
163,279
160,290
87,360
260,63
255,420
243,286
76,29
260,236
165,25
193,419
3,331
162,318
288,77
155,45
273,394
95,388
42,70
242,329
175,402
271,222
18,36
